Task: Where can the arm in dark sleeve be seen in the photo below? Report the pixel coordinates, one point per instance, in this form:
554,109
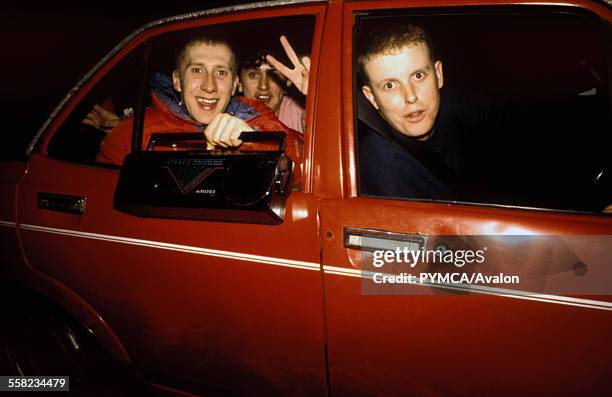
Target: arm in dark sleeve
387,170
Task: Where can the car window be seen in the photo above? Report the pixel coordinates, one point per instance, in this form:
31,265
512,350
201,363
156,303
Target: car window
273,102
497,114
113,97
263,97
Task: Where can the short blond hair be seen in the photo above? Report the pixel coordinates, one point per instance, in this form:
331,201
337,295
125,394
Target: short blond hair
208,40
387,40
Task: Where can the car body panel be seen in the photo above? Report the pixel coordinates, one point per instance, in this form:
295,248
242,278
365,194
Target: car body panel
436,341
140,270
280,310
439,342
245,322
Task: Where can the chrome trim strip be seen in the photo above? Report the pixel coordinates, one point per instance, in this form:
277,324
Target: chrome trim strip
148,26
516,294
8,224
340,271
181,248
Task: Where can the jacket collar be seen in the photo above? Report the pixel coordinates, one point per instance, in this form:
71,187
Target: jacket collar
170,102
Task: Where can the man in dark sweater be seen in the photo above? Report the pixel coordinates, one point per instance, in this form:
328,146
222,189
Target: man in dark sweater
403,152
418,141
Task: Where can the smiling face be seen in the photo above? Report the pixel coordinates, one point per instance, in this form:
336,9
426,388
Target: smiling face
264,83
206,80
403,85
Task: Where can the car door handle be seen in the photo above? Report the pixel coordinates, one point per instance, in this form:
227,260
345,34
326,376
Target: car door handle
61,203
381,240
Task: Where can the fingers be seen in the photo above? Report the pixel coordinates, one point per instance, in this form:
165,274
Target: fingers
224,131
211,132
92,119
290,54
305,72
107,116
101,119
289,51
221,133
98,109
109,124
299,74
88,121
306,63
288,73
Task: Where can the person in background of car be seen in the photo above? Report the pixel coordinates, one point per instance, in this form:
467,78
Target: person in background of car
102,119
259,80
198,98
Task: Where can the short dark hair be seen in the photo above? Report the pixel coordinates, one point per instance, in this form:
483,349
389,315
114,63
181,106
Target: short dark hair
386,40
209,40
253,58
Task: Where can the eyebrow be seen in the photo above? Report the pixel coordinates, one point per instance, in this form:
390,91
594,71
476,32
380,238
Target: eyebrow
203,65
427,68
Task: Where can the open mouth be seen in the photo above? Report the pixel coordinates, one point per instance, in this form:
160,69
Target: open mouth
264,98
207,103
415,116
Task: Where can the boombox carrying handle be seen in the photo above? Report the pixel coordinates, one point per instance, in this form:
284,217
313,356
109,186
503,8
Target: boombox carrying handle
258,136
246,136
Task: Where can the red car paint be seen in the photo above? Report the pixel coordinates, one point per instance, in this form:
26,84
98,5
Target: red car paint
272,310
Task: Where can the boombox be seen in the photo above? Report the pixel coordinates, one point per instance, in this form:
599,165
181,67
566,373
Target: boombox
168,181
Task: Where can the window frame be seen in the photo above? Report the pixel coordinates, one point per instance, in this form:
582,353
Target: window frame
231,14
354,11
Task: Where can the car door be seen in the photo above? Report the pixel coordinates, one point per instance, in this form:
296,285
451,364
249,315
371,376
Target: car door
198,305
547,334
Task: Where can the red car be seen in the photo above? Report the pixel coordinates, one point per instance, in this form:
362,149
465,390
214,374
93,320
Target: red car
292,293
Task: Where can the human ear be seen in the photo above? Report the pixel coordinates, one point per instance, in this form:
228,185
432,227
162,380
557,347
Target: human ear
439,74
367,91
235,85
176,81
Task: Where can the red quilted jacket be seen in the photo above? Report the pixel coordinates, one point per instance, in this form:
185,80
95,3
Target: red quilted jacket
161,119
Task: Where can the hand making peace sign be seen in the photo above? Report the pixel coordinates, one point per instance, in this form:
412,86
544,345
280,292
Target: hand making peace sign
299,74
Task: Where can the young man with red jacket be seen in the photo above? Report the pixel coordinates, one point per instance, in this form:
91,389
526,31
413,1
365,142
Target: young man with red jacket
198,98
